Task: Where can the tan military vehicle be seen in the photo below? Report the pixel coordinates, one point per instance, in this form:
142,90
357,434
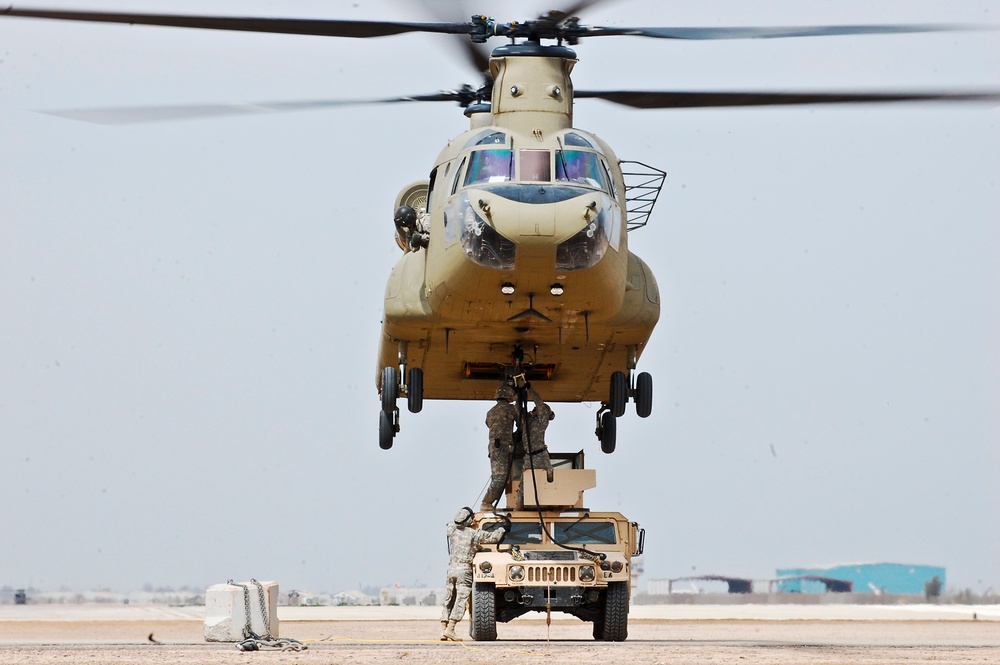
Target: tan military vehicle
559,556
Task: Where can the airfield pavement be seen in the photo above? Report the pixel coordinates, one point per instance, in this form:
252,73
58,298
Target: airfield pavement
674,634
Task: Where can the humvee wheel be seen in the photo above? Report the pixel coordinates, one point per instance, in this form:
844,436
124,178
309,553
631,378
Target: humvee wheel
644,395
415,391
386,432
389,389
609,431
484,612
618,394
616,612
599,629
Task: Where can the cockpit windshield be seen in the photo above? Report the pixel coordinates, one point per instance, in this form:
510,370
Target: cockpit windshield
576,167
489,166
580,167
536,166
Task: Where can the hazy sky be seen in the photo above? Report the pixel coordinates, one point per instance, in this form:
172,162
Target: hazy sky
189,311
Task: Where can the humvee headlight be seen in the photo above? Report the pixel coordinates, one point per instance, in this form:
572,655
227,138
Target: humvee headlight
486,567
516,573
605,565
586,573
617,566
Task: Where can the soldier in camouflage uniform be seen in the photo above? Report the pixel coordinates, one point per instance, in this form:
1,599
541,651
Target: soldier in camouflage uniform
463,541
536,453
500,419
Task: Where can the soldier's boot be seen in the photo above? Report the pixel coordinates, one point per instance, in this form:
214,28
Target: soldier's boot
449,632
485,507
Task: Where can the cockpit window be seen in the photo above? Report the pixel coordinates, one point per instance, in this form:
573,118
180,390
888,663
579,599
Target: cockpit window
574,139
536,165
493,138
486,137
580,167
489,166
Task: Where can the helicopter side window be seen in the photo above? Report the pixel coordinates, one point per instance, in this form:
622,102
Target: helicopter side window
489,166
580,167
536,165
610,180
458,175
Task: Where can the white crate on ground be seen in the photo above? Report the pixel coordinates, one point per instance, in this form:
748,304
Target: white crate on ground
226,614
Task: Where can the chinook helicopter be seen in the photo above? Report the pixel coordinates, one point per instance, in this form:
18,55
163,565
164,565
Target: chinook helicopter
515,262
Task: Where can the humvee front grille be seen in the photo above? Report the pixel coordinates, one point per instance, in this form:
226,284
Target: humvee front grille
549,574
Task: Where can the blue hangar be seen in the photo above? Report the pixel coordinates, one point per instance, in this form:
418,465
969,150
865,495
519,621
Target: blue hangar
877,578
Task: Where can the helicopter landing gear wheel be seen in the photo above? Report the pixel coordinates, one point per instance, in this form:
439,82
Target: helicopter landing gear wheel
415,390
386,430
643,394
607,432
618,394
389,389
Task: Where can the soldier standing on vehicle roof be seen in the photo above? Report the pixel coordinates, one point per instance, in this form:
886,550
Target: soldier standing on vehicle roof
500,420
463,541
536,453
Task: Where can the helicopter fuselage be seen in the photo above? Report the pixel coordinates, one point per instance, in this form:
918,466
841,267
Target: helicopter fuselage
526,247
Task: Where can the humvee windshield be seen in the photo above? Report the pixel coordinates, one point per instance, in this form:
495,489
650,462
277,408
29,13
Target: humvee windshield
524,533
566,533
584,533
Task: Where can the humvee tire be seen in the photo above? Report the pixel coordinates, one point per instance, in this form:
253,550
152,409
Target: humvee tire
484,612
616,612
599,629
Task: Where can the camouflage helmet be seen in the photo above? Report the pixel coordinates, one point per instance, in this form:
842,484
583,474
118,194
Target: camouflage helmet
505,393
464,516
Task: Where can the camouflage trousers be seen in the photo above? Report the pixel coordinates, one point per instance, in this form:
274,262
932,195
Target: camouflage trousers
457,589
499,470
539,460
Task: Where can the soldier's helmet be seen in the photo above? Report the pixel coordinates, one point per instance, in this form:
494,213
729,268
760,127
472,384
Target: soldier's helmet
505,392
464,516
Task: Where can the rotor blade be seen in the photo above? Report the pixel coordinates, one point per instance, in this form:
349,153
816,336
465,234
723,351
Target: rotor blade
647,99
478,55
143,114
778,31
290,26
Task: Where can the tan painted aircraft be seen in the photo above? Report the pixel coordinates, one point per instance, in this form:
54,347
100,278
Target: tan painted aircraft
515,263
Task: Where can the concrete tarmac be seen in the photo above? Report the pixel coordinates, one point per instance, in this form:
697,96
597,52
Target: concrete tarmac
676,634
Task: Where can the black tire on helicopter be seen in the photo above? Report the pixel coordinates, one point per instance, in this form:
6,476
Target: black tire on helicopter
415,390
389,389
644,394
609,431
618,394
386,431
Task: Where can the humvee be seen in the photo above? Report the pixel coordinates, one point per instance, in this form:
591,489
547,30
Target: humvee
558,555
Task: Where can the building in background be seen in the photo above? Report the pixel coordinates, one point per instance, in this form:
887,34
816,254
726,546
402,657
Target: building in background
876,578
